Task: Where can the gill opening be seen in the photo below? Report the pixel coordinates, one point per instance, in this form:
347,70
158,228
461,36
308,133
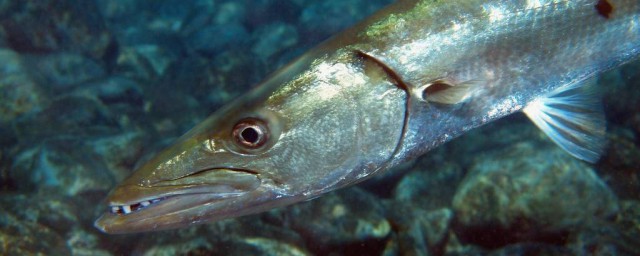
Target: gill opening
395,78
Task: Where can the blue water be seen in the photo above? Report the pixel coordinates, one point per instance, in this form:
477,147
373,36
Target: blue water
91,89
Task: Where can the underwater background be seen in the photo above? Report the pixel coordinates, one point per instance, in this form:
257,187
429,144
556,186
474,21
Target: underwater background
91,89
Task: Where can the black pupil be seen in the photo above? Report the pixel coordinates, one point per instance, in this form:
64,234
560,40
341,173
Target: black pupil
250,135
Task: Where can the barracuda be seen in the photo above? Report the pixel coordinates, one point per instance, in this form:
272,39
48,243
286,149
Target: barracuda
404,81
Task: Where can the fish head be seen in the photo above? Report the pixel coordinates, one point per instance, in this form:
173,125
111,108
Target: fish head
221,168
275,146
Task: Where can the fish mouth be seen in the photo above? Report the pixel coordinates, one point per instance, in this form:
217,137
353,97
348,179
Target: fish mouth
129,208
205,195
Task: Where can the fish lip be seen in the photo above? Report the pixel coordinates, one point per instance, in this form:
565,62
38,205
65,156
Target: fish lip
172,199
221,181
110,222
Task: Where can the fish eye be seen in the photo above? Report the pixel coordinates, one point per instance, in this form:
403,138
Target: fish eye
250,133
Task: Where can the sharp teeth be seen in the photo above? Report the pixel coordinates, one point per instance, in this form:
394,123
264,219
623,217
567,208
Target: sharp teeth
126,209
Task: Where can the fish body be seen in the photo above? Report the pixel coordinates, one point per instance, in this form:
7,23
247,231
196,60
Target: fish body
400,83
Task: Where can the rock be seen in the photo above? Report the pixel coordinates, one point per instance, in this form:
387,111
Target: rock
348,221
508,198
12,63
620,164
234,72
28,239
66,165
268,246
76,165
3,37
158,16
115,12
322,19
38,26
73,115
169,15
122,96
63,71
175,109
7,183
418,231
81,242
431,188
455,247
205,85
249,246
436,226
601,240
144,54
261,12
119,152
134,65
501,133
240,236
621,94
273,39
158,57
185,247
22,231
524,249
212,40
628,221
229,13
115,92
618,237
20,94
53,211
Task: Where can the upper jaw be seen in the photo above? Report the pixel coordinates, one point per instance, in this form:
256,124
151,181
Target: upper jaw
220,181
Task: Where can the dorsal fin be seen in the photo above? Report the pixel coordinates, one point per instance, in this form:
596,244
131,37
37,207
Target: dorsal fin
573,117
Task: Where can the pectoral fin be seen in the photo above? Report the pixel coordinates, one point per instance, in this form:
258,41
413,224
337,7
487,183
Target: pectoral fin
448,93
573,117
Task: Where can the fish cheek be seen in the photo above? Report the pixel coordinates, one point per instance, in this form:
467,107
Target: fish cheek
317,144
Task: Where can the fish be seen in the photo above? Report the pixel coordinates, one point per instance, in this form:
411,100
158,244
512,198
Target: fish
405,80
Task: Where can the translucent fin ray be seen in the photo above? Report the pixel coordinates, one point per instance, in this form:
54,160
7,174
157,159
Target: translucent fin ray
572,116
